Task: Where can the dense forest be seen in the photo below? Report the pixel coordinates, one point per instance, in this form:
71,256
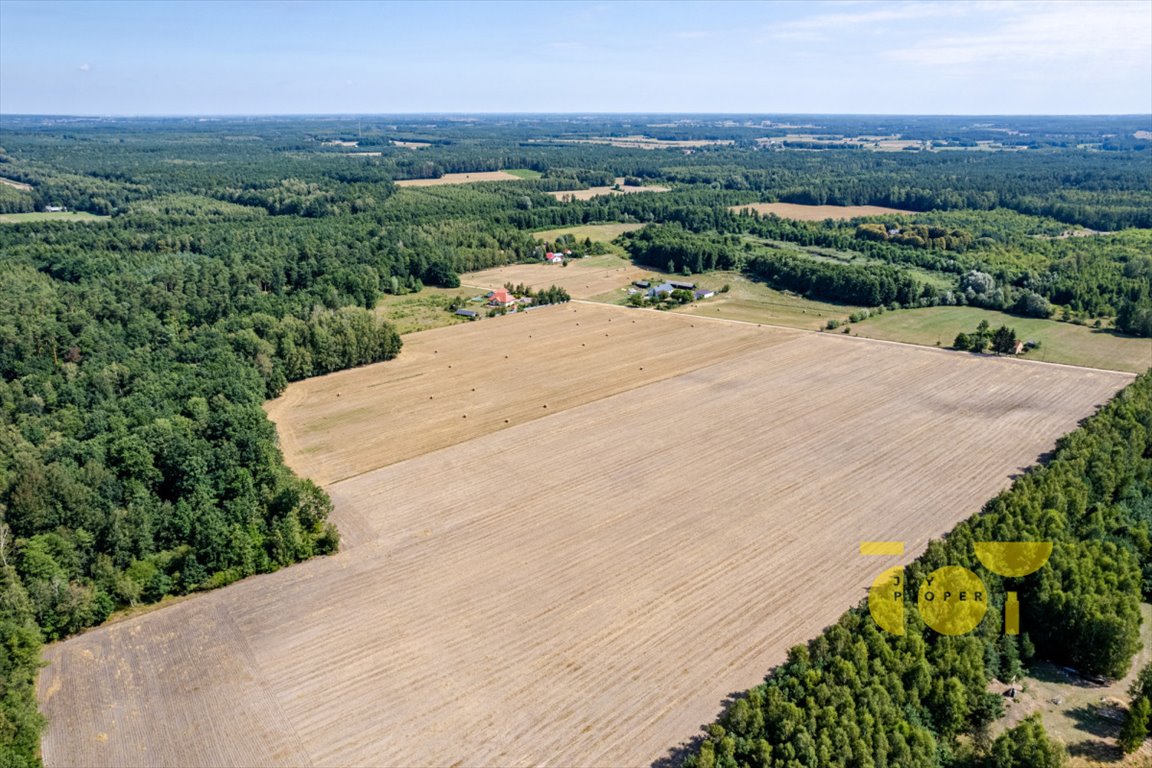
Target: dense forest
235,256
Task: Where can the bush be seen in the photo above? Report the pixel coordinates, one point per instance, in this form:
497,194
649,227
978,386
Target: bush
1027,746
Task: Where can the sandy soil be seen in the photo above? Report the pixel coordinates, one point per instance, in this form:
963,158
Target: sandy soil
819,212
580,588
459,178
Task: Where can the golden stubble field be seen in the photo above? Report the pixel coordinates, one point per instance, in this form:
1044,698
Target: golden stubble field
582,278
820,212
578,588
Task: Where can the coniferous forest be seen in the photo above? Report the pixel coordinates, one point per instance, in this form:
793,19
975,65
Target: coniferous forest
223,259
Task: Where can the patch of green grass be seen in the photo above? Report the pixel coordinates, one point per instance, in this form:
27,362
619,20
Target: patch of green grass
835,256
755,302
524,173
1059,342
601,233
603,261
14,218
425,310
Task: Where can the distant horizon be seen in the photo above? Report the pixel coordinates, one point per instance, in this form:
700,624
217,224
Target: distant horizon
579,113
110,58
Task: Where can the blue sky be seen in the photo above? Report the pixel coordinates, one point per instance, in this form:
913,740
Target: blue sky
275,57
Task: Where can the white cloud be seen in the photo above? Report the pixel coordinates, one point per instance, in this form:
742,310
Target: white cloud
85,67
826,27
874,15
1108,33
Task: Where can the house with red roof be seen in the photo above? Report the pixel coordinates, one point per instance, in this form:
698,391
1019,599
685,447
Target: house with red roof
554,258
501,298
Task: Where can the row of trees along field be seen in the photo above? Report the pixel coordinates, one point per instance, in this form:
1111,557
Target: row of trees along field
857,696
1109,276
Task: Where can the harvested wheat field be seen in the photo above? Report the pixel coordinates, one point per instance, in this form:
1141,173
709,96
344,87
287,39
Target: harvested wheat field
580,588
819,212
582,278
459,178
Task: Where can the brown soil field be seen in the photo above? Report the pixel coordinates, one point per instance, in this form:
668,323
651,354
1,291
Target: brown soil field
581,279
365,154
591,192
820,212
581,588
411,144
459,178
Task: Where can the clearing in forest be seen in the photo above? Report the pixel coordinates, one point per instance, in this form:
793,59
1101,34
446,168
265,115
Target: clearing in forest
15,218
820,212
620,188
600,233
647,142
578,584
752,301
582,278
16,184
460,178
1083,715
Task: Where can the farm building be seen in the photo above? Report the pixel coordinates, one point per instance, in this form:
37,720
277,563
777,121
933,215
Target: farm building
641,283
665,288
468,313
554,258
682,286
703,293
501,298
